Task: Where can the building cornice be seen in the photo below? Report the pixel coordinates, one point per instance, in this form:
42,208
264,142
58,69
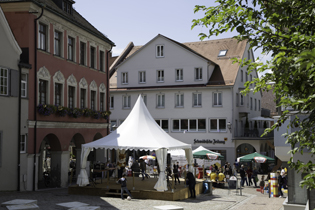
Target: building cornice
47,124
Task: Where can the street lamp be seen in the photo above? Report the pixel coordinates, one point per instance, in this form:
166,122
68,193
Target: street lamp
229,126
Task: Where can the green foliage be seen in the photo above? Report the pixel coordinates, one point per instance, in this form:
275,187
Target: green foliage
283,29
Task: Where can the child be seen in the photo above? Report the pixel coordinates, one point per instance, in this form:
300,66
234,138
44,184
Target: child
262,184
123,182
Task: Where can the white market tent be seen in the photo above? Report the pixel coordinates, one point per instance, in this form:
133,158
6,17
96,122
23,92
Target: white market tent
139,131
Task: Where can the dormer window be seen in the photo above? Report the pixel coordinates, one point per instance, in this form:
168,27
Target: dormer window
222,53
67,6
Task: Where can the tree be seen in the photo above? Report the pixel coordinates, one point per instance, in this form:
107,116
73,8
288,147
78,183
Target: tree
284,29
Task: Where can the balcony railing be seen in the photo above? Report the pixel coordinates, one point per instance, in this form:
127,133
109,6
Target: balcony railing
256,133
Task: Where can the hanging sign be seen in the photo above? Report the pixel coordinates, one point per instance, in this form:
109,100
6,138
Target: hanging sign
212,156
260,159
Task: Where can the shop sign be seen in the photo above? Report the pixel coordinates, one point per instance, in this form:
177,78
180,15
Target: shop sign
208,141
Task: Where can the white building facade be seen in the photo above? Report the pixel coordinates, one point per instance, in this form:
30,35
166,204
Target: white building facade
192,90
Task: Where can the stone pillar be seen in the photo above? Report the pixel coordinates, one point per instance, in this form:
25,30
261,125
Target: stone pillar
60,168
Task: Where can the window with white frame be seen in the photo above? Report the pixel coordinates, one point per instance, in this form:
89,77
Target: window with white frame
102,102
111,102
242,100
160,101
242,75
43,91
4,81
198,73
59,81
144,97
237,99
189,125
142,77
179,100
57,43
160,75
82,98
124,78
163,124
71,97
246,76
92,57
113,125
217,99
58,94
251,103
251,78
255,104
102,91
93,99
217,125
93,95
197,100
23,85
159,51
82,53
179,75
42,38
258,105
126,102
23,144
72,91
71,47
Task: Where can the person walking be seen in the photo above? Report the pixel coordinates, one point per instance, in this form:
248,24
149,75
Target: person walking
243,176
175,171
262,184
191,183
254,176
249,176
280,183
123,182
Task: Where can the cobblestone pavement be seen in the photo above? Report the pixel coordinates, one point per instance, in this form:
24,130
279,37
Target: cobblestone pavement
221,199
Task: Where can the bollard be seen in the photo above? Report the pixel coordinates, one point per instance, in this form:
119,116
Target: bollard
133,177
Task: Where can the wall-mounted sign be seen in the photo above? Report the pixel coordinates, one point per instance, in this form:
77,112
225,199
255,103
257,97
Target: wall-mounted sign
208,141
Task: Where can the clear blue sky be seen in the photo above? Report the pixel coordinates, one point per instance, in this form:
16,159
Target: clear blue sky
139,21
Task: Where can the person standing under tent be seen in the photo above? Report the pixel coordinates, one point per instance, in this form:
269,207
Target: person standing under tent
175,171
143,168
191,183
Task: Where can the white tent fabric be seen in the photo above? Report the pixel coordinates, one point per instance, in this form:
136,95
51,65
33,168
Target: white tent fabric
83,179
139,131
161,184
200,148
